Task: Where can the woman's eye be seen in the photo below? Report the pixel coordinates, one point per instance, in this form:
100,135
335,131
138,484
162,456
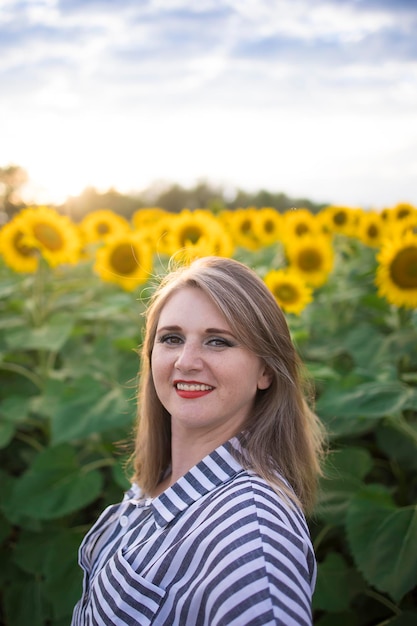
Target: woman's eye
218,342
170,339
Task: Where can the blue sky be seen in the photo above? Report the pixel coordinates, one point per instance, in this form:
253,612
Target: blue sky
307,97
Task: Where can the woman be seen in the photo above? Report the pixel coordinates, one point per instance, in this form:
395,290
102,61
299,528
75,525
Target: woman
212,532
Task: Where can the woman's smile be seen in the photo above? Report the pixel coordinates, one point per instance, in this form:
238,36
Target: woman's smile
192,390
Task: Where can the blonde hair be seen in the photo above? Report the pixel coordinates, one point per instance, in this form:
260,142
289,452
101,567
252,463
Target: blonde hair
283,435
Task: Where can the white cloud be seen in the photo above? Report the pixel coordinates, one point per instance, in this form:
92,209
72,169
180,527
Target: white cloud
309,98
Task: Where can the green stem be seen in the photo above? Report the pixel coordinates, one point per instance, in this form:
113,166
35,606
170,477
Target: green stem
402,426
39,294
383,600
19,369
46,363
321,536
108,462
81,529
31,441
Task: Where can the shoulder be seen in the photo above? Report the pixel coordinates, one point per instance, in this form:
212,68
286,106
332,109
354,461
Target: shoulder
248,527
248,488
249,501
280,526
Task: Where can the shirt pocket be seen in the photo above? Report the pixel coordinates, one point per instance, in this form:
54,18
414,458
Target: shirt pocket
122,596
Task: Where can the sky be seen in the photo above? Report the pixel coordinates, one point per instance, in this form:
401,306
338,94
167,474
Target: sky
311,98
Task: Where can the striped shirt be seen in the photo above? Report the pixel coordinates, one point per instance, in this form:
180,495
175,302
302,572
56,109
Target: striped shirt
217,548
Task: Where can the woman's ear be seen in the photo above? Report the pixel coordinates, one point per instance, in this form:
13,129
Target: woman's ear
265,378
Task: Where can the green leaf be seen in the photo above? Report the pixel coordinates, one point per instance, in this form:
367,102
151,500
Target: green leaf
364,344
52,335
398,444
52,555
412,398
334,588
375,400
63,576
23,603
54,486
408,618
347,618
7,483
86,407
7,487
344,472
13,410
8,570
5,529
383,541
120,475
30,550
321,372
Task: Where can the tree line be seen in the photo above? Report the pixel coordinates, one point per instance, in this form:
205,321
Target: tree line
170,197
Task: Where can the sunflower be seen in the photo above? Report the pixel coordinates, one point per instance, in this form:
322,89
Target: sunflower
339,219
268,226
300,222
371,228
242,227
147,216
221,243
53,234
188,229
124,259
401,227
396,275
385,214
312,257
201,231
159,234
401,211
17,255
101,224
289,290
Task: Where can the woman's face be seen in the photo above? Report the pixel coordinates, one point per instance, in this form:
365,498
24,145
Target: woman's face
204,378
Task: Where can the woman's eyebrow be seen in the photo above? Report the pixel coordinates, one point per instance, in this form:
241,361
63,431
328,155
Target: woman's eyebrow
219,331
174,327
208,331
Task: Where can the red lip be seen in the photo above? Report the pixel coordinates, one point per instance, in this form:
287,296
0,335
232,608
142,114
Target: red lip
190,394
189,382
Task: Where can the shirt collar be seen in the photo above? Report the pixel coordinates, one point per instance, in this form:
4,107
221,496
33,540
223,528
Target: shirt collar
216,468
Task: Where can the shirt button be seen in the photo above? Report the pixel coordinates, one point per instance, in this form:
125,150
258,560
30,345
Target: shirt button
124,520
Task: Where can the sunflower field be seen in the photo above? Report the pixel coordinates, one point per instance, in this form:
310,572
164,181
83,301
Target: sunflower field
72,297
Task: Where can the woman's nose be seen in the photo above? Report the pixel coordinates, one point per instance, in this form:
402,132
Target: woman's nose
188,358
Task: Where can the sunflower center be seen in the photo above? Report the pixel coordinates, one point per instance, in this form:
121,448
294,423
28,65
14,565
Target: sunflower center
286,293
340,218
302,229
48,236
190,234
102,228
269,226
373,231
22,248
310,260
123,259
403,213
403,268
245,226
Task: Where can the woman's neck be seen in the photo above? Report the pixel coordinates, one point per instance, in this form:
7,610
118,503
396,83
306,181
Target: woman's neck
188,449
